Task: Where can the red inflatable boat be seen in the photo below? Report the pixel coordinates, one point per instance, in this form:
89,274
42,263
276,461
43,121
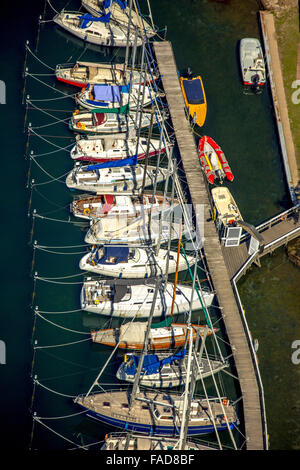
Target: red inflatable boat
213,160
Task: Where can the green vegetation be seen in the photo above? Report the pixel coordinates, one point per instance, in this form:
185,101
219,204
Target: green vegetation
287,29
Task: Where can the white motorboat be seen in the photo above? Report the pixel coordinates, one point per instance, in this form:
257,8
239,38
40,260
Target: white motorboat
113,97
227,211
81,74
108,123
135,300
93,30
252,62
119,14
165,369
114,180
130,262
109,205
110,148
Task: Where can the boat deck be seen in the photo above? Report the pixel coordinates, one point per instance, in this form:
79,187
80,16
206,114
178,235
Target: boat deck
215,260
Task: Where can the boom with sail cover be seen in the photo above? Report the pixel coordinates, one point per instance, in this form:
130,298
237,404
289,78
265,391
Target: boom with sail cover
87,18
131,161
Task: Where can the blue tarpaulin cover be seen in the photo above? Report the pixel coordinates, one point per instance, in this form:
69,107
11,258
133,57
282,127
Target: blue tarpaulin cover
119,253
111,93
131,161
194,91
152,364
87,18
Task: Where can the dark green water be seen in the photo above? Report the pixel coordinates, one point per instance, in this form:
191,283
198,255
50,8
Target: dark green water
204,35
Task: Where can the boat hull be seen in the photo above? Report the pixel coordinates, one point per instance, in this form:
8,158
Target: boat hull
108,338
155,429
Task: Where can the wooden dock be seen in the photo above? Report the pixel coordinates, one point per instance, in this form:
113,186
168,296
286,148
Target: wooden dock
251,394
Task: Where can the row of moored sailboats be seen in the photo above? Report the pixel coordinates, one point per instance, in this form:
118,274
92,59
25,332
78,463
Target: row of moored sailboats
127,269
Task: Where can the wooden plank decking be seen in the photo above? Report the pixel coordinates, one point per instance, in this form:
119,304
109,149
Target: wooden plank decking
212,248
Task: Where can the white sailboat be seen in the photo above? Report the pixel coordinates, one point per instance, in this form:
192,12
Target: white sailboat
94,31
114,96
119,14
166,370
131,262
135,300
110,148
140,231
114,180
82,73
109,205
109,123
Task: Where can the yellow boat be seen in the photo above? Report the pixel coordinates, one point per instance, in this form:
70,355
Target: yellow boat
194,97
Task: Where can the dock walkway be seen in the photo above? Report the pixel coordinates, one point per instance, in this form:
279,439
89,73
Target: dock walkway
245,364
276,232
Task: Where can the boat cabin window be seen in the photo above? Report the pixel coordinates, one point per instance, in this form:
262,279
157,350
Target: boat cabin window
106,403
125,405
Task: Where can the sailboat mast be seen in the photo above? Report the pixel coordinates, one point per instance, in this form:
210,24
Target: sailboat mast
185,414
128,35
147,151
176,273
141,359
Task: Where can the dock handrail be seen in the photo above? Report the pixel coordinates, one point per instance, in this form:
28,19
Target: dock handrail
252,351
274,220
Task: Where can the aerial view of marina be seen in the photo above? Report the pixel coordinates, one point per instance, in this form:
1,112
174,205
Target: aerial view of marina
151,241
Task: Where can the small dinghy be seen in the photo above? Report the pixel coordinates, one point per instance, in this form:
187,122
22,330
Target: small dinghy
165,370
96,122
252,62
130,262
160,413
95,30
109,205
113,97
81,74
132,335
127,179
213,160
119,14
119,441
194,98
135,300
227,210
109,148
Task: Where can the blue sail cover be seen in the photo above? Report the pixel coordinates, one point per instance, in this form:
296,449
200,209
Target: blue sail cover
111,93
87,18
152,364
118,253
131,161
107,3
194,91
